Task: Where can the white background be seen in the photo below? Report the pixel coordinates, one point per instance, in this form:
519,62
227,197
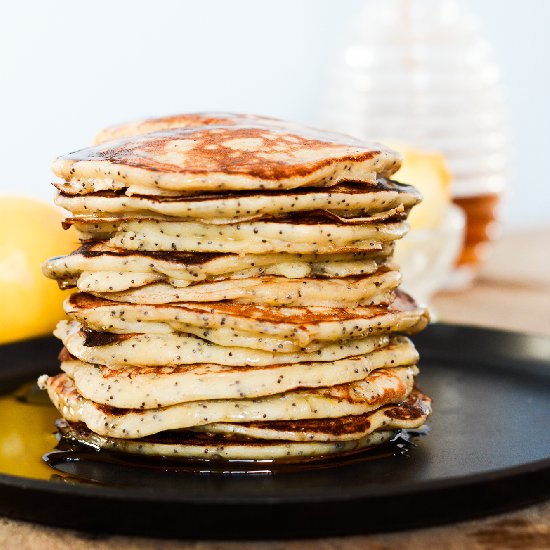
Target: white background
69,68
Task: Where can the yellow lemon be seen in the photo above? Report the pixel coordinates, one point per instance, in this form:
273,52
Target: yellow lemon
428,172
30,232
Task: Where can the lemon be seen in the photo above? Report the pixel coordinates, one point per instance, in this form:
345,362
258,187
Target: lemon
428,172
30,232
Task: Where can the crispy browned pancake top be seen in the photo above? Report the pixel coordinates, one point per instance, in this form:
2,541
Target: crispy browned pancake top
264,152
188,120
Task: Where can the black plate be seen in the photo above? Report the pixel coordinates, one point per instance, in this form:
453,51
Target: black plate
488,451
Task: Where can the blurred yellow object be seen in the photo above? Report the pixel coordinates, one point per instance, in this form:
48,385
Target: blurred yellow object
26,433
428,253
30,232
428,172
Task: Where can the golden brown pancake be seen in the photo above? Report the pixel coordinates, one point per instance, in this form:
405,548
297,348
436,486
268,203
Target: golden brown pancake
379,388
152,387
128,269
226,157
367,290
189,120
323,437
384,200
308,235
200,446
282,329
177,348
410,413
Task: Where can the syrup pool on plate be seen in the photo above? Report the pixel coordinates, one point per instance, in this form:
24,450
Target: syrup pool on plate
27,431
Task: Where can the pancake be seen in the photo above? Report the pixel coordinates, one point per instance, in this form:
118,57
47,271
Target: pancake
409,414
260,327
242,156
381,387
306,438
173,349
190,120
152,387
309,236
181,269
369,290
199,446
385,199
117,281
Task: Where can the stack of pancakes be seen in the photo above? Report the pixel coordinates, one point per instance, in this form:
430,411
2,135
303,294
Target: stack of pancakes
236,296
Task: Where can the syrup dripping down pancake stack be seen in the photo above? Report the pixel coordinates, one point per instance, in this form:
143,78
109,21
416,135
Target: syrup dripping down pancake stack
235,294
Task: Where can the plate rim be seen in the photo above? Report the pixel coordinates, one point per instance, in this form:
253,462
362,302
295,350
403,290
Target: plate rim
90,490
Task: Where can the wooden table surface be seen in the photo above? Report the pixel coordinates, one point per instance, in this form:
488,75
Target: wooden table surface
512,292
